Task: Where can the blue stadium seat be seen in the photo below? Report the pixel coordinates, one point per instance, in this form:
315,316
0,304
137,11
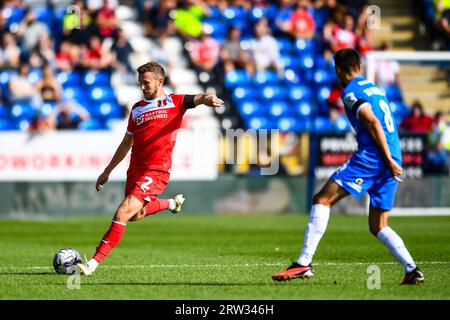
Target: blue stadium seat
69,79
321,63
13,16
47,108
273,92
266,77
237,78
399,109
233,13
257,123
303,108
323,125
110,110
96,78
244,92
342,125
216,27
300,92
35,75
215,13
291,124
4,111
324,77
44,15
100,94
73,93
320,17
280,109
250,108
285,45
289,61
22,110
6,125
306,61
22,124
304,45
292,76
323,93
5,77
91,124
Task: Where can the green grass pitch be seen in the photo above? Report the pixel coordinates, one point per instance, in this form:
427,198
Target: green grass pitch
221,257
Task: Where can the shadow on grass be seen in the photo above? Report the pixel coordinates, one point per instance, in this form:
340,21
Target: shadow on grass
29,273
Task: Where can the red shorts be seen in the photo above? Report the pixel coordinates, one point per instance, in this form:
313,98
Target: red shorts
146,185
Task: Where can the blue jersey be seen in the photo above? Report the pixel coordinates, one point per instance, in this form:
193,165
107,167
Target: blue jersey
357,92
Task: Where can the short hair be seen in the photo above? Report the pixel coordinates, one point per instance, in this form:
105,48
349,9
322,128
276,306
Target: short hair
347,60
152,67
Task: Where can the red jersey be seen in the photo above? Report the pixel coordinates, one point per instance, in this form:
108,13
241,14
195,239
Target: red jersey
154,124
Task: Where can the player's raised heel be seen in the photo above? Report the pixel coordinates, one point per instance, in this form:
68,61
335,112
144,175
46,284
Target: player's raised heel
179,200
84,269
294,271
414,277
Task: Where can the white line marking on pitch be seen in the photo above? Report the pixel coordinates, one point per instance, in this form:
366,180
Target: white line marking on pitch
245,265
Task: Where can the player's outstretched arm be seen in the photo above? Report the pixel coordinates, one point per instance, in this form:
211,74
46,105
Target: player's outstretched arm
208,99
119,155
376,131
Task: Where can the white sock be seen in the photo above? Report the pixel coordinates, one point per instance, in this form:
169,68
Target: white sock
172,204
397,248
316,227
93,264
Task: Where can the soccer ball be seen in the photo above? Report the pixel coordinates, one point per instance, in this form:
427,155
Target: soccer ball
65,260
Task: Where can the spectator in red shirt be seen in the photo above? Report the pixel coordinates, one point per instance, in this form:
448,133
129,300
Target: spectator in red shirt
205,52
417,121
106,20
302,22
341,36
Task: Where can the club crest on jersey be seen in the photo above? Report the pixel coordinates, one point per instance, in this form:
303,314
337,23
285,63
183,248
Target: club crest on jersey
359,181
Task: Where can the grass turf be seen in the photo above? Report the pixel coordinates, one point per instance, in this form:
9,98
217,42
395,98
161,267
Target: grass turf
221,257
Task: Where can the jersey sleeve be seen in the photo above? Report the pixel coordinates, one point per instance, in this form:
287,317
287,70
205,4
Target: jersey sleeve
355,101
183,101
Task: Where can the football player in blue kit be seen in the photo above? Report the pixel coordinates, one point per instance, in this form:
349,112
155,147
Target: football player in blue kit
374,168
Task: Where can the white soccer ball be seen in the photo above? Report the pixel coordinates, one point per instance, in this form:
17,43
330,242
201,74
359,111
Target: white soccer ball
65,260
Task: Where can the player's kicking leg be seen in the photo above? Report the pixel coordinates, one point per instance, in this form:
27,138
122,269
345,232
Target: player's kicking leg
378,224
330,194
127,209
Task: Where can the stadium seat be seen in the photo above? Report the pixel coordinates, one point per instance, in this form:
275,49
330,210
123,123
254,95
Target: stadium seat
244,92
6,125
22,110
323,93
342,125
13,16
217,28
100,94
323,125
4,112
306,61
292,77
280,109
34,75
291,124
300,92
23,124
110,110
5,77
71,93
303,108
273,92
267,77
324,77
234,13
320,17
250,108
257,123
289,61
47,108
303,46
96,78
45,15
91,124
69,79
236,78
285,45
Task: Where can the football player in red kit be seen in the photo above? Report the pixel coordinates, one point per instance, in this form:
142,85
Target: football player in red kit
151,134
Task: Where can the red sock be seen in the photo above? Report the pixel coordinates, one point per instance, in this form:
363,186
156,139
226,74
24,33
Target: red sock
109,241
156,205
